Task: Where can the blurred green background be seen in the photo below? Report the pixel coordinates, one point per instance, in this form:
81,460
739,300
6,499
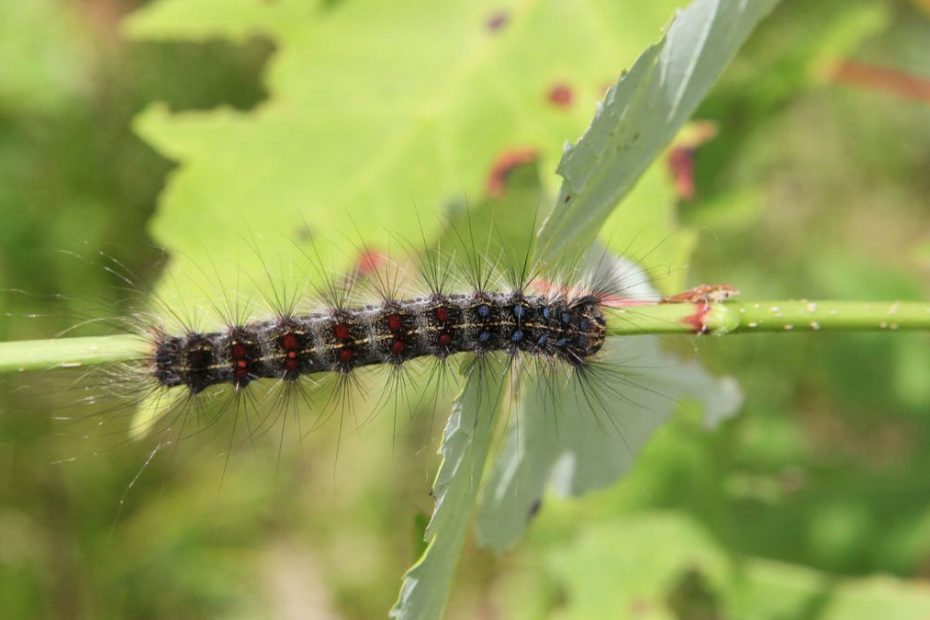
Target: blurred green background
812,503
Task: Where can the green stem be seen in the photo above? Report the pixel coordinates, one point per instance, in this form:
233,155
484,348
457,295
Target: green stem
731,317
22,355
742,317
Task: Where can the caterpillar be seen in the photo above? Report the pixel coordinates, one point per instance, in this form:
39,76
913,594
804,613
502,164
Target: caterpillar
570,330
557,326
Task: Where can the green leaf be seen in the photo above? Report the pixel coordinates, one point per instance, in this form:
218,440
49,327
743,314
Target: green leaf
641,114
670,568
44,55
773,590
587,435
465,446
648,555
365,125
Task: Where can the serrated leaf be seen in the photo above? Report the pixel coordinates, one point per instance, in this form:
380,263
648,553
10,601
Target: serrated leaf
641,114
366,124
587,435
466,442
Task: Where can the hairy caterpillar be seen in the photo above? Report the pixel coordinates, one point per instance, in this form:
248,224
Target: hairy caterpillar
555,326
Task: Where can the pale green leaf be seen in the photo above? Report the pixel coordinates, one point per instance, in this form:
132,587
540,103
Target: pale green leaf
586,436
466,442
641,114
375,111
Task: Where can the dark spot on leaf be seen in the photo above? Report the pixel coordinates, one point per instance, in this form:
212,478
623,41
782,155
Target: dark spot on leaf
497,21
681,166
303,233
681,157
693,596
561,95
534,509
505,163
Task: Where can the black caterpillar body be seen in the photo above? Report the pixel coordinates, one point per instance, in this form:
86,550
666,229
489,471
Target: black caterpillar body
571,330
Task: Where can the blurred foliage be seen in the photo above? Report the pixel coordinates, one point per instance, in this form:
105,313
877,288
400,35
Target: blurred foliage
810,504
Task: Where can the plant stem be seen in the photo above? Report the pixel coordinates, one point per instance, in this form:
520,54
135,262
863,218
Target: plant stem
742,317
22,355
730,317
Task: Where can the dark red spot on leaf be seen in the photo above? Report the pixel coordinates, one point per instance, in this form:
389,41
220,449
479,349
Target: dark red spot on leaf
369,261
681,167
681,157
504,165
561,95
886,79
497,21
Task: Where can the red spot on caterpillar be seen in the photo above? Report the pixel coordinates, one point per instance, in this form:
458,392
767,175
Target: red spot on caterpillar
696,321
504,165
560,95
445,339
497,21
345,355
441,314
289,342
240,361
398,346
341,331
394,322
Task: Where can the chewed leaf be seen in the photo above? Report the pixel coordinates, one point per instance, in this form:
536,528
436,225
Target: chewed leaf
641,114
587,435
364,125
465,445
